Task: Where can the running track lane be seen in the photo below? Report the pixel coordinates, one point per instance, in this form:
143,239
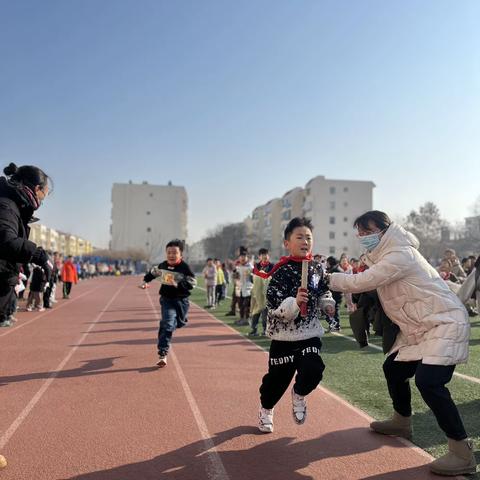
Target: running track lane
107,414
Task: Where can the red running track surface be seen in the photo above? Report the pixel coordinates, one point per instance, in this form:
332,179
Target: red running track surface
81,399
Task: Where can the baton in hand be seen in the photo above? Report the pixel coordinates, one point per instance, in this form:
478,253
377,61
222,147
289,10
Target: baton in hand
303,287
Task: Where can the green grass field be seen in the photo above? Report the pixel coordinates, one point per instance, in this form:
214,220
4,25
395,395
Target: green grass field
356,375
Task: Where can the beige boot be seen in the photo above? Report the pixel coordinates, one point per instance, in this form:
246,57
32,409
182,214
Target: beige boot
459,460
398,425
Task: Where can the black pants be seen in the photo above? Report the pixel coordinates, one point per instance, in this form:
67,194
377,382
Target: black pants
244,306
430,381
255,318
7,297
67,288
233,305
219,293
286,358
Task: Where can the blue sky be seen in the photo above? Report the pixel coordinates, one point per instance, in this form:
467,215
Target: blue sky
241,101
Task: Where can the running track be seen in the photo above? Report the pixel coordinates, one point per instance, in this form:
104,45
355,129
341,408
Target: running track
80,400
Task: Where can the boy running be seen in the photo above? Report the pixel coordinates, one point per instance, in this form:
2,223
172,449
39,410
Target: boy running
295,346
177,281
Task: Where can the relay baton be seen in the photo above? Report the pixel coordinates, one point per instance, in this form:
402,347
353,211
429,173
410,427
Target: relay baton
303,286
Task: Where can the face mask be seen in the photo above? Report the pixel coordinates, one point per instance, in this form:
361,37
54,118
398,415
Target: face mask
369,242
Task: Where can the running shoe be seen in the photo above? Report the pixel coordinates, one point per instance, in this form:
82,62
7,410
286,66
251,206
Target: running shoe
265,420
299,408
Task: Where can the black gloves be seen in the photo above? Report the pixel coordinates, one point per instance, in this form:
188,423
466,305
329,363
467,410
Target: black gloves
477,263
41,259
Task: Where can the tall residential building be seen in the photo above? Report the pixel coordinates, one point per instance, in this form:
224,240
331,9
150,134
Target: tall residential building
146,217
333,205
272,230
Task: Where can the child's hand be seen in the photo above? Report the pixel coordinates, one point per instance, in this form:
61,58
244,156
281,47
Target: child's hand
302,297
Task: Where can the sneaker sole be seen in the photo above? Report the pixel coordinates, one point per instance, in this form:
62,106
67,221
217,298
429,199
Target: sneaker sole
458,471
396,433
266,430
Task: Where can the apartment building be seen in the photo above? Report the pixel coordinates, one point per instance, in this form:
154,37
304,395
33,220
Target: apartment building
332,206
147,217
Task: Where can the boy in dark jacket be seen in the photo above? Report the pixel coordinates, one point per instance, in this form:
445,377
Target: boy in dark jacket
295,346
177,281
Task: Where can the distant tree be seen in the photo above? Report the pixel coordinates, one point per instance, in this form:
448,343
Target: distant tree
430,229
224,240
427,223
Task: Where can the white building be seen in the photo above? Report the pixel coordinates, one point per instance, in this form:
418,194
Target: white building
147,217
333,205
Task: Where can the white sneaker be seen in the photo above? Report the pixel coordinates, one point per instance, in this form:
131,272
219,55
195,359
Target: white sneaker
162,361
299,408
265,420
29,309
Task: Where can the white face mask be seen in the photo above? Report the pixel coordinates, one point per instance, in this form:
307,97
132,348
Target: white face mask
369,242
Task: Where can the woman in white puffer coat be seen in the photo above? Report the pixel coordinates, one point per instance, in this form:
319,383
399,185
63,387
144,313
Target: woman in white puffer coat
433,337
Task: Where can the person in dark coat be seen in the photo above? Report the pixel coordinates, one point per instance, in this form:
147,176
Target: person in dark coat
22,191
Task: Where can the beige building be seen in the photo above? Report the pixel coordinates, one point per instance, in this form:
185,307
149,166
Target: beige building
332,205
56,241
292,206
147,217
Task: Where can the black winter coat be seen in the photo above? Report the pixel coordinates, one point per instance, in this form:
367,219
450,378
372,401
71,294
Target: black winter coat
15,248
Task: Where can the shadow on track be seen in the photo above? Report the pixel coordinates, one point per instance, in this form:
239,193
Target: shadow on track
279,459
99,366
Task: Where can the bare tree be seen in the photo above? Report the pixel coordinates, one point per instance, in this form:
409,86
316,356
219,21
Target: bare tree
224,240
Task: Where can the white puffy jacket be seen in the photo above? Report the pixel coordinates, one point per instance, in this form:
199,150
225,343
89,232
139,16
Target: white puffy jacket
433,323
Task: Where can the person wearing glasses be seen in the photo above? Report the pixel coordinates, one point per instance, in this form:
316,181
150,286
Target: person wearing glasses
433,333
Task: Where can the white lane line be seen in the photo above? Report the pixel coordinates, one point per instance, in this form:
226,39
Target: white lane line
54,309
376,347
215,469
359,412
31,405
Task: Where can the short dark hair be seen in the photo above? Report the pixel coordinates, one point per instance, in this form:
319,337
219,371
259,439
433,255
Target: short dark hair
263,251
209,259
295,223
380,219
175,243
332,261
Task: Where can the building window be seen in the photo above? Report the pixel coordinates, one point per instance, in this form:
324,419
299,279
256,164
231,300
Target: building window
332,205
345,249
345,189
345,204
149,229
331,250
148,213
332,235
151,194
307,191
345,234
332,220
147,244
345,219
332,190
